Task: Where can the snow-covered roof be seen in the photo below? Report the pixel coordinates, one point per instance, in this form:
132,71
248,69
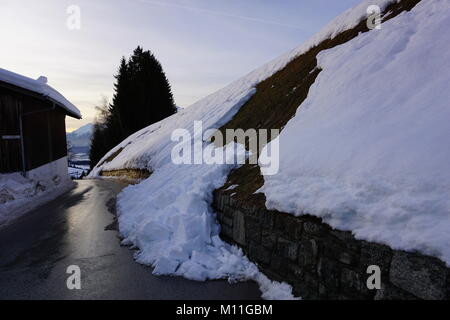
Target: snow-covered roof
41,87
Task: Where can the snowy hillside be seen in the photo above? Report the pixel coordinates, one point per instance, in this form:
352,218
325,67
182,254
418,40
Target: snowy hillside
369,145
82,131
81,138
369,150
150,147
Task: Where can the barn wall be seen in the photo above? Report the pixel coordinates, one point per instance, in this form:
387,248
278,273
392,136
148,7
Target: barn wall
58,133
10,150
44,132
44,137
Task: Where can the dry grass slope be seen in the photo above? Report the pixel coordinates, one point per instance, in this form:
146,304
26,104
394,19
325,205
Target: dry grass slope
278,97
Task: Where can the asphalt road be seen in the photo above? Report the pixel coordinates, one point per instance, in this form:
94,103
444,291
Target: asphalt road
77,229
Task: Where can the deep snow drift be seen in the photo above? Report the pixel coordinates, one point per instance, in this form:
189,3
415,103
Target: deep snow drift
369,149
169,218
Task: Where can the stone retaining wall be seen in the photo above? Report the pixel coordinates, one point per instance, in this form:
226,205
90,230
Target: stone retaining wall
322,263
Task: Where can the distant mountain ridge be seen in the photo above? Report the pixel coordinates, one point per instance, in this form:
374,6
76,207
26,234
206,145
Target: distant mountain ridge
80,139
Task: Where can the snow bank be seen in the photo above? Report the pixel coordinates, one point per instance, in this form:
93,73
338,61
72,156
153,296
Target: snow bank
169,218
39,86
368,150
19,194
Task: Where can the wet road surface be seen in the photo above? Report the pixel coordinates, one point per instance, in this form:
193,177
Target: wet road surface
77,229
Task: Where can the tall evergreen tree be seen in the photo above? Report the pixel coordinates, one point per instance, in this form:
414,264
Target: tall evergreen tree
142,96
121,98
98,146
99,140
142,93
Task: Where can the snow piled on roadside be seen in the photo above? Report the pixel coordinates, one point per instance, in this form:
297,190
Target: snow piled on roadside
19,194
368,150
169,218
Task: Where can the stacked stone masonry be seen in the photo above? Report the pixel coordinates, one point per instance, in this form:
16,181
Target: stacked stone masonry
322,263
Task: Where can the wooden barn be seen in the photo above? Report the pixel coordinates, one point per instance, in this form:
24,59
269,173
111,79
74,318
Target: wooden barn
32,124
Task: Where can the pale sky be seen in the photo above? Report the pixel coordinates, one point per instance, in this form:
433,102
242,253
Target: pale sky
202,44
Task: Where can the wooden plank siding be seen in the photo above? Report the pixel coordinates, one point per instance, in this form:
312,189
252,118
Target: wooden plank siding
44,137
43,128
10,149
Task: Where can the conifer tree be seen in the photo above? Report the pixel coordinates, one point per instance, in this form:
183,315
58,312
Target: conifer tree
142,96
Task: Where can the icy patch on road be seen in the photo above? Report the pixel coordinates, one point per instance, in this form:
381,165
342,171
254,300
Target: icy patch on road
169,218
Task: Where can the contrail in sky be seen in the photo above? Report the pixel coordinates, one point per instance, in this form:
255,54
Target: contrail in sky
217,13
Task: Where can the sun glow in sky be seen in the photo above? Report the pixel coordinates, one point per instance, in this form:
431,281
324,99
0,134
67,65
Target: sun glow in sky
202,44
